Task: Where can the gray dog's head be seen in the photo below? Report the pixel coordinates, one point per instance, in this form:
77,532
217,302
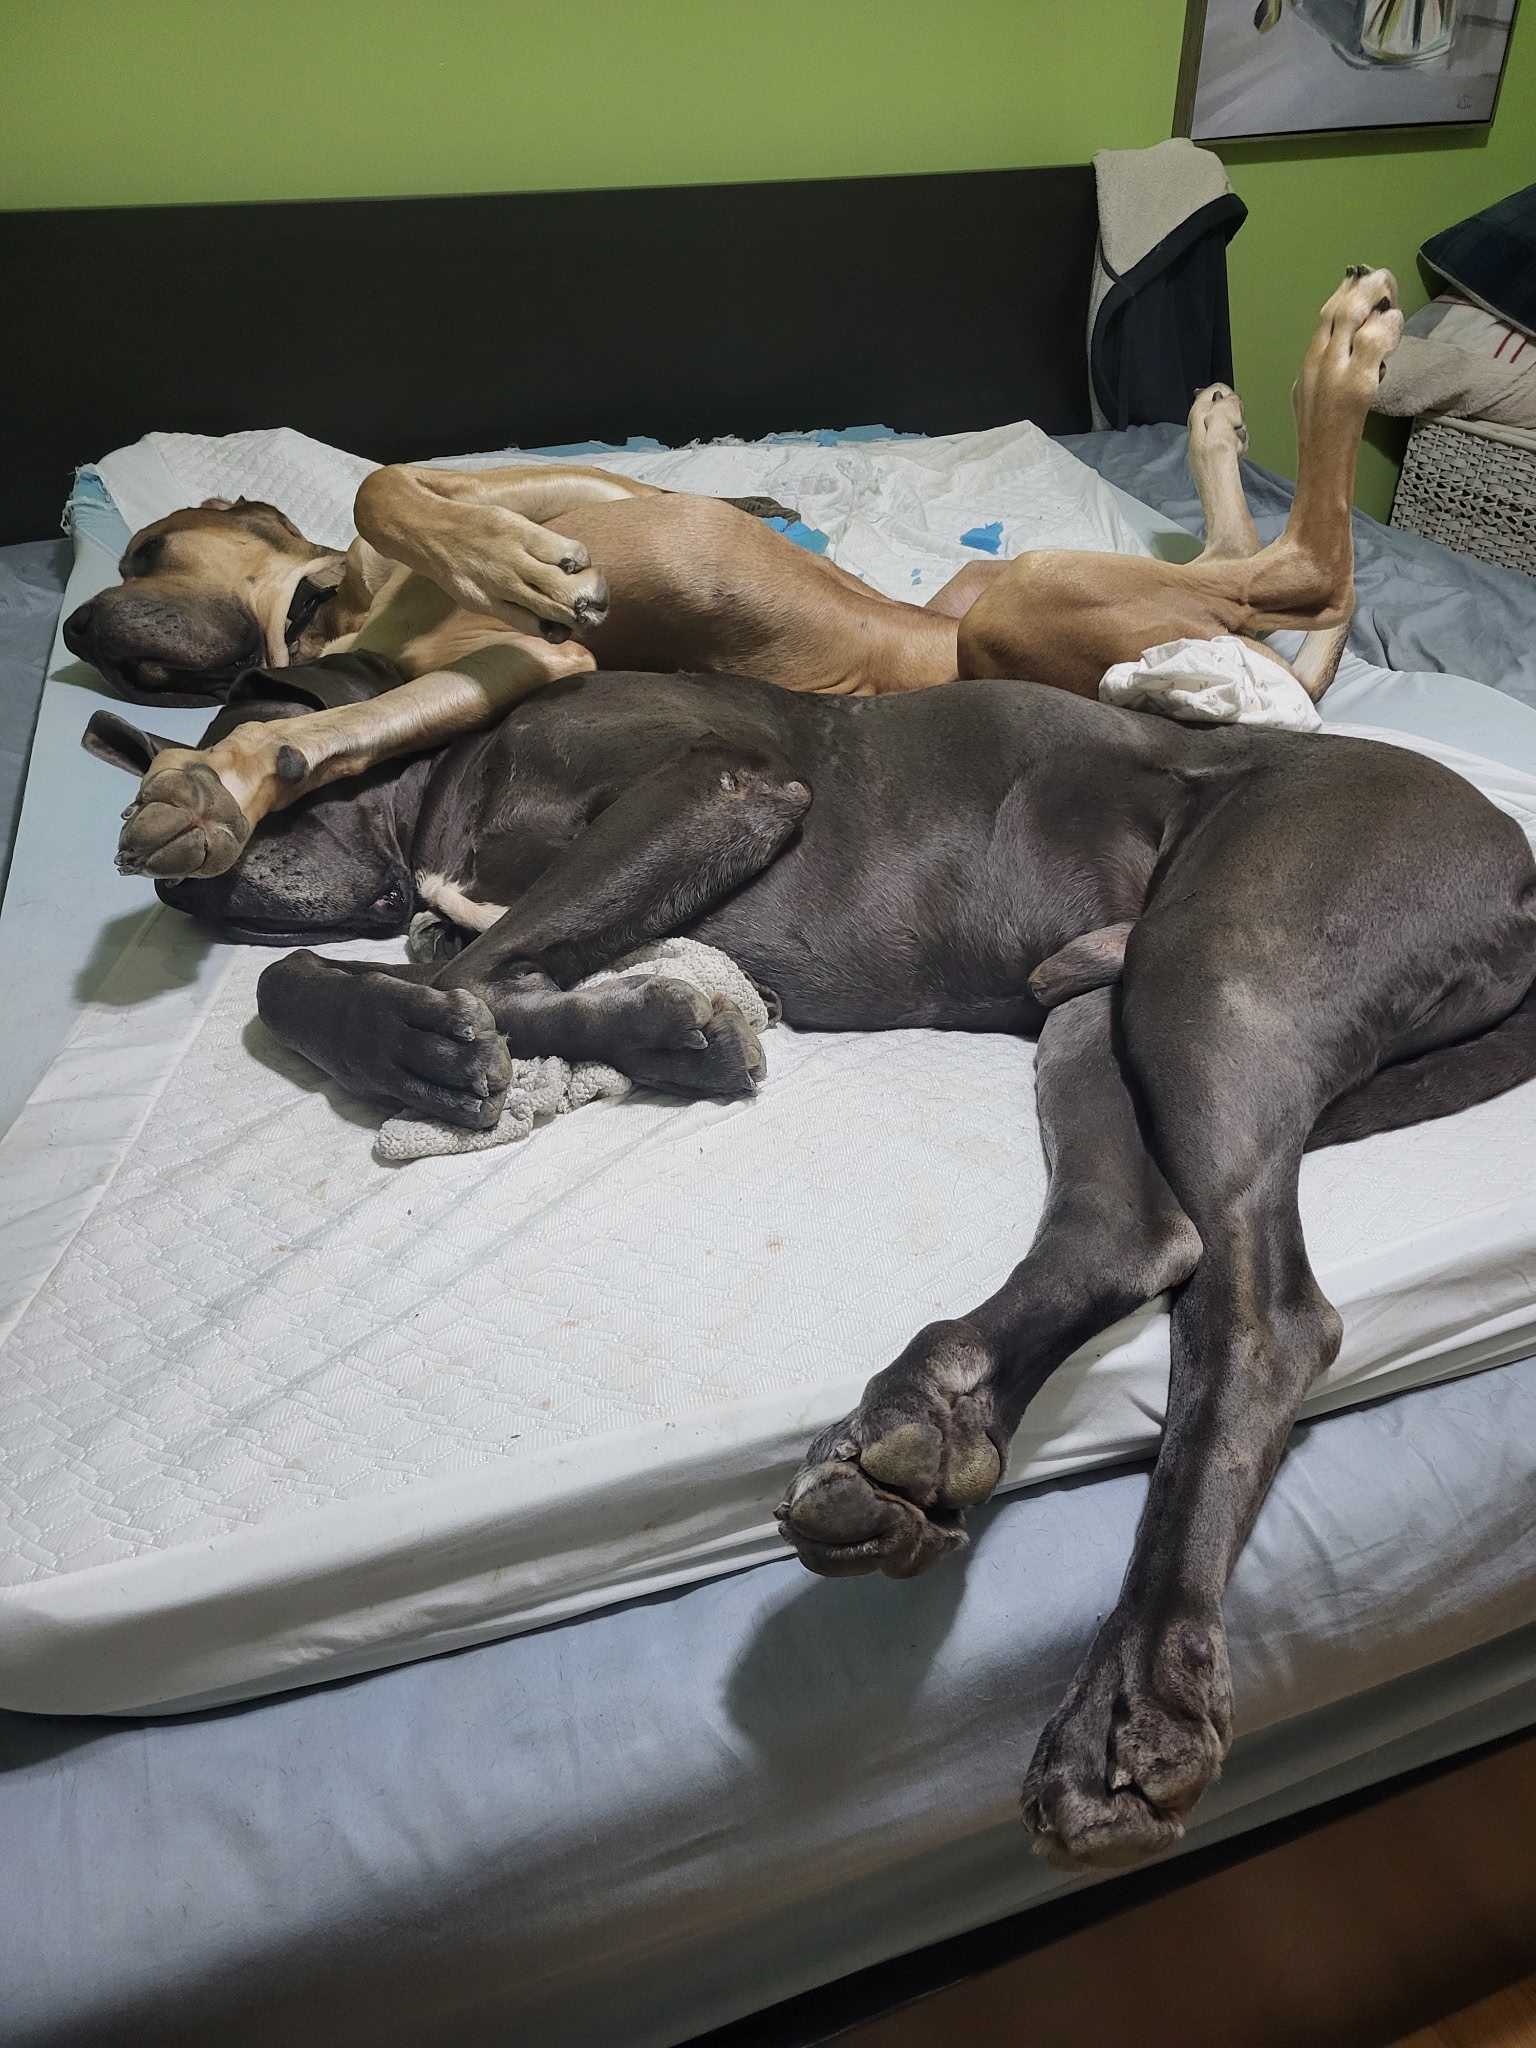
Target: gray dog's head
331,866
206,594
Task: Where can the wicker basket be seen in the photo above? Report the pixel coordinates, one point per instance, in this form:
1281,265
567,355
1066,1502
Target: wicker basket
1475,495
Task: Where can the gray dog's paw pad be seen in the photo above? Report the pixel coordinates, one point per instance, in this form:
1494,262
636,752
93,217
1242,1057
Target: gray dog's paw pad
911,1456
1097,1832
843,1526
886,1489
1130,1752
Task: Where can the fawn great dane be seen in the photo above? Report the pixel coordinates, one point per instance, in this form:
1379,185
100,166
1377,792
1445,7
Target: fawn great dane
461,579
1231,945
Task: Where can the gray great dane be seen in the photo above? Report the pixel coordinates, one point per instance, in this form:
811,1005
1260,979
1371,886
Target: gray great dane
1231,945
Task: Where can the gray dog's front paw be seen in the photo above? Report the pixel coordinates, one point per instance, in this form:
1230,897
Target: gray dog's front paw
692,1044
886,1489
434,1053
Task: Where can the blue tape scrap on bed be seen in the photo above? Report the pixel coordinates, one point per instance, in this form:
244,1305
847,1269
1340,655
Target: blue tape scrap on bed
988,538
811,538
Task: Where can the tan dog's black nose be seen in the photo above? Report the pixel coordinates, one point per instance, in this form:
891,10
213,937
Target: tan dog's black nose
77,632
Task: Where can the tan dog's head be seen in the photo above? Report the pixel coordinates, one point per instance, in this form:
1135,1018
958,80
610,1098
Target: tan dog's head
206,594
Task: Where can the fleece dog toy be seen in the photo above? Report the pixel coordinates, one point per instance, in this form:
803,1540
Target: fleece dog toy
552,1087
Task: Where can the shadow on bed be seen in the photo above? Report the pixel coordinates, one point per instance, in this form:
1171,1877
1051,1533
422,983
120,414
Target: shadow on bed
298,1072
172,966
27,1740
872,1643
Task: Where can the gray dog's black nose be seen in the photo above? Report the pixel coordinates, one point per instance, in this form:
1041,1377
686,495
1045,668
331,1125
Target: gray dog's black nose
77,630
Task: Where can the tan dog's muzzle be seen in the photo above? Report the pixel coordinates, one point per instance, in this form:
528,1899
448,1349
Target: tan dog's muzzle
157,646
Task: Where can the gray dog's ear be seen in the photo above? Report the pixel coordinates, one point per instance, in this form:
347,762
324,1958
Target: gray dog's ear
121,745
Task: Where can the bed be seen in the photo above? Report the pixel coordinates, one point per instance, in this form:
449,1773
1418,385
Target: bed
679,1809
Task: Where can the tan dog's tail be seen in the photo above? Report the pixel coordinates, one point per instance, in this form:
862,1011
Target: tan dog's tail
763,508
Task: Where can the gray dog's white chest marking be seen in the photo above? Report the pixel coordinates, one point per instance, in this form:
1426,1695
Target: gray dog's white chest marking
446,896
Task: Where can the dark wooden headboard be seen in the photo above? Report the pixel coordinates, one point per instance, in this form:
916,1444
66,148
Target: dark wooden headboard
410,327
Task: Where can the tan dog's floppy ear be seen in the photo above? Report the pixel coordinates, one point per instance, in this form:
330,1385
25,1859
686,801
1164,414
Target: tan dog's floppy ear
121,745
215,505
257,515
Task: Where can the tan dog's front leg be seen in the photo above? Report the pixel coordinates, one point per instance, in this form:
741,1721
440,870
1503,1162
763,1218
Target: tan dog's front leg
481,536
197,807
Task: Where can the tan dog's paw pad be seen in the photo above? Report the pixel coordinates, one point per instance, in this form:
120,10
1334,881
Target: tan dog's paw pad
1364,323
1217,416
183,823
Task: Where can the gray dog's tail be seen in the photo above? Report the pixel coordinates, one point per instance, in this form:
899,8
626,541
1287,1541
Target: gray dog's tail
1436,1083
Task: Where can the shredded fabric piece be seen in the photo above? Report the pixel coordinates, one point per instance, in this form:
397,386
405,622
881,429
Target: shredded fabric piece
1212,682
547,1087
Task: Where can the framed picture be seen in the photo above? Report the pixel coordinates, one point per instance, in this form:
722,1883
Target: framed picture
1296,67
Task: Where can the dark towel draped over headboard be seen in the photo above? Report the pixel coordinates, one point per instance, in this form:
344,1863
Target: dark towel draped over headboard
409,327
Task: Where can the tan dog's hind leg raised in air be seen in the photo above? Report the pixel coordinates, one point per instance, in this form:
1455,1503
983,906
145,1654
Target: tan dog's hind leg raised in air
1066,617
1217,438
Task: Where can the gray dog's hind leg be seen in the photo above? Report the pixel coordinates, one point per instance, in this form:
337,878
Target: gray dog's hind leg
1240,1022
885,1489
1147,1719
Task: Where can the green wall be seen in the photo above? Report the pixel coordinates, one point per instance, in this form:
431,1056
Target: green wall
159,101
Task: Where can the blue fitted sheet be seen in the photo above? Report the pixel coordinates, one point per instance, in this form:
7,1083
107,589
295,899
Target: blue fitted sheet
31,586
636,1826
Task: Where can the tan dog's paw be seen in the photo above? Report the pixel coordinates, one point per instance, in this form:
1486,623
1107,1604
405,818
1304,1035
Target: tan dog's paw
506,567
183,823
1216,417
1357,330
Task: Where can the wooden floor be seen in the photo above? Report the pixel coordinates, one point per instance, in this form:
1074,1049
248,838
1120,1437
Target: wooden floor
1351,1936
1507,2020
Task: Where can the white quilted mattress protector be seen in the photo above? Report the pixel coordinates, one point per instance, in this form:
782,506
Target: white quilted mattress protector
273,1412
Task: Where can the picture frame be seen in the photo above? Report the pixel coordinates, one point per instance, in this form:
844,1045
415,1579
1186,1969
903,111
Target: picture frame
1249,71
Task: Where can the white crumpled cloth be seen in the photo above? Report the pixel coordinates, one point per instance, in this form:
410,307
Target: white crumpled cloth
1212,682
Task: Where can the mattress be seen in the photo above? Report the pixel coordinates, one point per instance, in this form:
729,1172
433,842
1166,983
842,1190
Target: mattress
275,1412
626,1830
